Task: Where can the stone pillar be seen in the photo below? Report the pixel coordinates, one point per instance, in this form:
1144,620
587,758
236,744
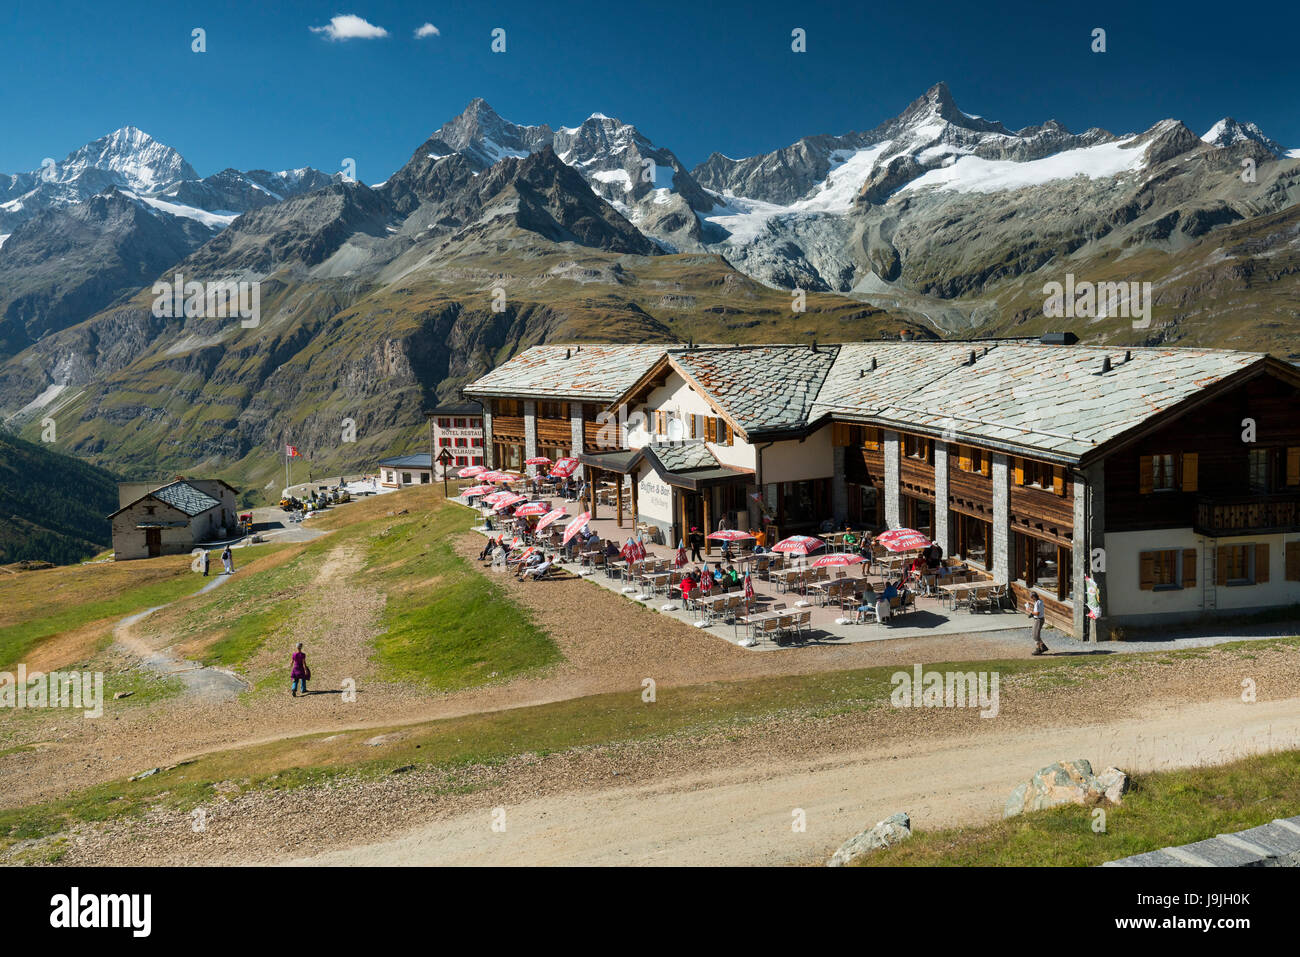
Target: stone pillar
893,486
487,437
941,533
576,433
1090,539
530,433
839,487
1001,561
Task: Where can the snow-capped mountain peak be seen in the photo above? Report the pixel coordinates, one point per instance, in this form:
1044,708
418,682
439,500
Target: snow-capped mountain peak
1229,132
139,161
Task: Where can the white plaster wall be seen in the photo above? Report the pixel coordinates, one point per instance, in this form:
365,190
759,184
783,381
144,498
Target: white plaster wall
795,461
1125,598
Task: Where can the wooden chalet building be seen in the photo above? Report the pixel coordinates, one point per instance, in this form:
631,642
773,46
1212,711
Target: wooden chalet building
1171,477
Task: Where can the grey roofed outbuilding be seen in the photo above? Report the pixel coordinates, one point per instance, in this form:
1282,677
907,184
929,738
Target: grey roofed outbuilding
760,387
416,460
179,495
596,373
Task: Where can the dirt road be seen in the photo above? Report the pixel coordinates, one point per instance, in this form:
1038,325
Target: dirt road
744,815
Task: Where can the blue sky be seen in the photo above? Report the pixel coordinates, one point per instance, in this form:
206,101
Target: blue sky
695,77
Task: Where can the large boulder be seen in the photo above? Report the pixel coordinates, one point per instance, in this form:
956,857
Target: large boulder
1067,782
895,828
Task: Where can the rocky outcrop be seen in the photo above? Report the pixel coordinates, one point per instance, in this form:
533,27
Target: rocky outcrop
1067,782
887,833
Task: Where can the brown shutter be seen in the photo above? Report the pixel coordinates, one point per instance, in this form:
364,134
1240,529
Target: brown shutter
730,435
986,462
1058,480
1146,478
695,426
1221,565
1293,561
1261,563
963,458
710,429
1190,460
1147,571
1020,471
1293,465
1189,568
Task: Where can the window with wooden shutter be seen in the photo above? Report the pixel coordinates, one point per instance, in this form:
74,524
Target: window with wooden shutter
986,463
1190,478
1189,568
1020,471
1261,563
963,458
726,428
1293,465
1293,561
1221,565
1147,571
1146,475
710,429
1058,479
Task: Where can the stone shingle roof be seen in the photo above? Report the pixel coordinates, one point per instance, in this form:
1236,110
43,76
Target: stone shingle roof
684,457
416,460
1050,399
1053,400
760,387
597,373
186,497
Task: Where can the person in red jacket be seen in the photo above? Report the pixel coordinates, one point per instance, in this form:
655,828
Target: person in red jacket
299,673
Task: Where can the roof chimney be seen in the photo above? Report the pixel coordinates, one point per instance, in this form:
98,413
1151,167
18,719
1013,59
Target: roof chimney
1128,355
973,358
873,363
814,345
1105,365
568,353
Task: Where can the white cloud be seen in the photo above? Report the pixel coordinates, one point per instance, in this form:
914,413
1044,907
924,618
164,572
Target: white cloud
349,26
428,30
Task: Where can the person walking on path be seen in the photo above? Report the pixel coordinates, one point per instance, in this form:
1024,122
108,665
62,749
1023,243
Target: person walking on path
228,560
299,673
205,563
1034,608
697,542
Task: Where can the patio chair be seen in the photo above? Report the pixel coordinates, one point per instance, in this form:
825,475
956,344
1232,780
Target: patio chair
785,626
803,624
767,628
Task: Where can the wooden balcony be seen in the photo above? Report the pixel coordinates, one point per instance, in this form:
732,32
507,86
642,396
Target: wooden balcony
1248,514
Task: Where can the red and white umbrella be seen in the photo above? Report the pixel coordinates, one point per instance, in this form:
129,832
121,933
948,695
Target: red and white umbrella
495,476
493,497
903,540
478,490
511,499
749,589
575,526
837,558
550,517
537,460
798,544
730,535
470,471
533,508
565,467
680,560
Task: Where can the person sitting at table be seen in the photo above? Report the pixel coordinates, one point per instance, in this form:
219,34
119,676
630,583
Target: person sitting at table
720,580
687,586
869,599
611,551
934,555
760,549
882,603
850,540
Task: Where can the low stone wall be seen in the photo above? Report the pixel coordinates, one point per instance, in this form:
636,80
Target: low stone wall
1276,844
